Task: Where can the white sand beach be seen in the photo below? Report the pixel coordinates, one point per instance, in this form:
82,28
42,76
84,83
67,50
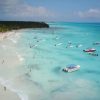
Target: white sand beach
8,56
4,35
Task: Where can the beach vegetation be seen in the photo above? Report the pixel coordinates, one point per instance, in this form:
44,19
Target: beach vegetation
14,25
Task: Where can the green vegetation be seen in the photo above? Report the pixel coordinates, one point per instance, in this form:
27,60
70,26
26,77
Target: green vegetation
13,25
4,28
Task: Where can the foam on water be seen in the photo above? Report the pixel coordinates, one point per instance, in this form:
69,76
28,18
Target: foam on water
14,41
19,56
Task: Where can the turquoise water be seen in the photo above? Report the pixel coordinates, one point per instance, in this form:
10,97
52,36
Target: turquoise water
46,53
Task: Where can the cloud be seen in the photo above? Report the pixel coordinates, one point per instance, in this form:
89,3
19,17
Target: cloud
91,13
19,9
8,4
29,11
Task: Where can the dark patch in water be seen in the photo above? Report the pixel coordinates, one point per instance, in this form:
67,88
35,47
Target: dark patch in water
59,89
34,66
98,82
93,72
52,81
90,72
36,83
57,70
27,74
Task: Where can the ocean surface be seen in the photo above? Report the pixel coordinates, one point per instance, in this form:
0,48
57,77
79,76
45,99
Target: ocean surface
32,61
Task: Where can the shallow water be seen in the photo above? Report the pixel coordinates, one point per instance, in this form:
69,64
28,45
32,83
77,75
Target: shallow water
34,59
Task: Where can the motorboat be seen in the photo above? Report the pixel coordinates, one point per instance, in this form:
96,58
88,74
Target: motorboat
58,44
90,50
71,68
96,43
69,46
80,45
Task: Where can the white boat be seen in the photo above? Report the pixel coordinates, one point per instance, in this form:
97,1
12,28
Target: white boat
79,45
71,68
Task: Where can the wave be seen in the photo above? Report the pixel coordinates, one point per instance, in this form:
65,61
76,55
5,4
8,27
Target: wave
14,41
19,56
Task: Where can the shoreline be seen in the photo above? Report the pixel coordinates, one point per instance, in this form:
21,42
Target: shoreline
7,91
4,35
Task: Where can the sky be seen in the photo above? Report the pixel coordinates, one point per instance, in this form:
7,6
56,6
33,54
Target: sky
50,10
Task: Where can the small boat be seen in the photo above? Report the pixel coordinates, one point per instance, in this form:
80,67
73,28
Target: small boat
90,50
58,44
69,46
96,43
80,45
71,68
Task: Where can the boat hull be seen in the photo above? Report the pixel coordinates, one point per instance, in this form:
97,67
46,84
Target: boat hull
71,69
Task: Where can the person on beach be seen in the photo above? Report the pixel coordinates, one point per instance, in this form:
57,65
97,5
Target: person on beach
2,61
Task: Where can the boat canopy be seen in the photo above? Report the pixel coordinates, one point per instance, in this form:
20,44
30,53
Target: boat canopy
71,66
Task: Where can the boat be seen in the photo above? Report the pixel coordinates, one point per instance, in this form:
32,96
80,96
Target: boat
69,46
58,44
80,45
96,43
71,68
90,50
